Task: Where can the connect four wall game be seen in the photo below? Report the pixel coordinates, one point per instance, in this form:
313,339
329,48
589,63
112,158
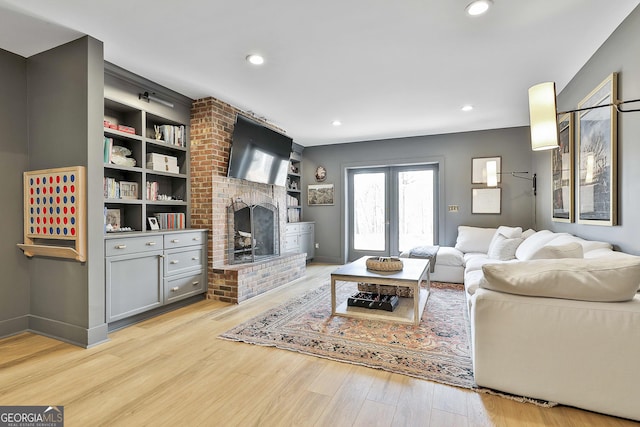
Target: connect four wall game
54,213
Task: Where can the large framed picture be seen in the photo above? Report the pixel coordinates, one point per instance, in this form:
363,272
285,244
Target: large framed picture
480,167
562,172
596,133
320,195
486,200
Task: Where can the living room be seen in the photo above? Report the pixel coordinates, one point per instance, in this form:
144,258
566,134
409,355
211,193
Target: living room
28,284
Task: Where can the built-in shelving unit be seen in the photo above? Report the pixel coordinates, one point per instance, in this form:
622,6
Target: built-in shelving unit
147,173
294,187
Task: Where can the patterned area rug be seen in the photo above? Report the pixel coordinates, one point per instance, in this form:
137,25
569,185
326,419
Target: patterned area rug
436,350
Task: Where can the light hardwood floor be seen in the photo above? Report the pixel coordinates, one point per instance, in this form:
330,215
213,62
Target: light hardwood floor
172,370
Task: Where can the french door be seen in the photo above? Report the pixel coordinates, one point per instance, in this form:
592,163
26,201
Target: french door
391,209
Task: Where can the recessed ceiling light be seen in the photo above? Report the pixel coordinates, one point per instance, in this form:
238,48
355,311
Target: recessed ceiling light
467,108
336,122
255,59
478,7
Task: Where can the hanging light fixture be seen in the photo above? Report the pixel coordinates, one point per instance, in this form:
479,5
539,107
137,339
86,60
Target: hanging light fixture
543,115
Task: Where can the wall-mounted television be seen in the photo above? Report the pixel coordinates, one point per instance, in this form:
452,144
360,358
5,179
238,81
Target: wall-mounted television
258,154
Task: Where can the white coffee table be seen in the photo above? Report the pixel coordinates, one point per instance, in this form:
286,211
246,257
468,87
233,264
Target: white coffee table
414,274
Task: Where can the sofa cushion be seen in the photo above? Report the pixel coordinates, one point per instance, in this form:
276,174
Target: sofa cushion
503,248
551,251
449,256
602,280
534,242
587,245
474,239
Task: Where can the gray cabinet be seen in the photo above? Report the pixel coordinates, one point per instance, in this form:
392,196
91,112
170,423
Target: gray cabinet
300,237
148,270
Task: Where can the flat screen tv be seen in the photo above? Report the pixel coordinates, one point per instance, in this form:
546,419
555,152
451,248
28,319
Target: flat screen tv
258,154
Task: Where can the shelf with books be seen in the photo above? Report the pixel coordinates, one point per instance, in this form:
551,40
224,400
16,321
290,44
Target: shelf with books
293,186
146,170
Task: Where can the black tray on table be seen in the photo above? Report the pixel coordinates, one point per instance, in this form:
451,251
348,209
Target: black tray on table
373,301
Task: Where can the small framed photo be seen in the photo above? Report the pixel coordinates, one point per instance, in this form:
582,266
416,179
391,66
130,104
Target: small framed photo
112,218
128,190
320,195
479,168
153,223
486,200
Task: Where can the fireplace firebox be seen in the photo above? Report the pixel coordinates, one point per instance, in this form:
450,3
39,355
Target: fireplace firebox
254,233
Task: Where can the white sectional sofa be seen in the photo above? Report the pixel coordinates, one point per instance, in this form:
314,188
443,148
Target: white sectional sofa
553,316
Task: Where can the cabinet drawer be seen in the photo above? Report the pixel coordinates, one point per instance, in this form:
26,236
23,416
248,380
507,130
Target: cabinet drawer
291,243
292,228
183,286
178,261
179,240
306,228
132,245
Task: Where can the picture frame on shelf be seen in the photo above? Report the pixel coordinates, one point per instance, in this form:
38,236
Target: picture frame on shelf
479,169
153,223
562,189
320,195
596,134
128,190
486,200
113,219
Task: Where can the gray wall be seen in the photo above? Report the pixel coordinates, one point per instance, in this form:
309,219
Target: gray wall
453,153
65,110
618,54
14,273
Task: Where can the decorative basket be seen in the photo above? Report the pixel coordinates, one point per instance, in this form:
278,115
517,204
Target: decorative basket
384,263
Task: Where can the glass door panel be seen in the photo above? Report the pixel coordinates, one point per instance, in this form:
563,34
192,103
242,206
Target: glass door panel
369,212
415,208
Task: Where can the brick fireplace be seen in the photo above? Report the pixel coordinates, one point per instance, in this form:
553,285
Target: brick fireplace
212,192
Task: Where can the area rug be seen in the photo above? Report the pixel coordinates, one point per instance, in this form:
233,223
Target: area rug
436,350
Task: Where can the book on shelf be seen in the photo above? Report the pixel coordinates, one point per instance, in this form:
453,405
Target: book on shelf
292,201
171,221
174,135
108,144
111,188
293,215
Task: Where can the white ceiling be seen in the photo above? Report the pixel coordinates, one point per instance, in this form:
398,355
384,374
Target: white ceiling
383,68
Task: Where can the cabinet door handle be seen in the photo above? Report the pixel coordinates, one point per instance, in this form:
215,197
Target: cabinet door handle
195,258
121,246
196,239
176,289
196,283
175,241
151,243
174,261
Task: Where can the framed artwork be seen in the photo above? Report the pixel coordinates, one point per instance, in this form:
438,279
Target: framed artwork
596,133
128,190
320,195
486,200
479,169
562,172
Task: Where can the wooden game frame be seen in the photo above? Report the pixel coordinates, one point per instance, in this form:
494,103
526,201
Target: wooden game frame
64,238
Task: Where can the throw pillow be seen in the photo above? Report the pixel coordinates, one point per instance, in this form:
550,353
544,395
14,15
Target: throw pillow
503,248
601,280
569,250
528,233
533,243
508,232
474,239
